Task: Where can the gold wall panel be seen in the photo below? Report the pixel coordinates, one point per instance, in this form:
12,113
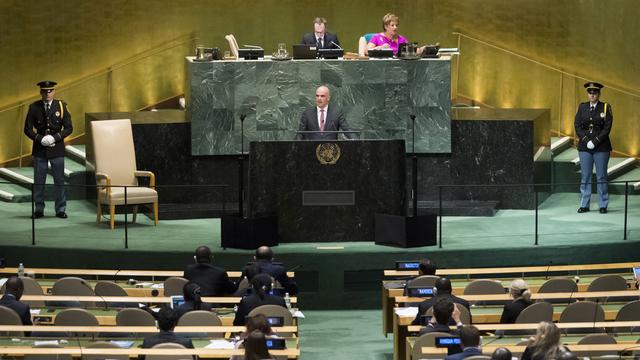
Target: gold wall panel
69,40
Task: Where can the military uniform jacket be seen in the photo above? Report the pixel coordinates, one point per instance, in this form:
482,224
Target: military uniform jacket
594,126
56,122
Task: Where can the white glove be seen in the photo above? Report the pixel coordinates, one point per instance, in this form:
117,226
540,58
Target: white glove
590,145
47,140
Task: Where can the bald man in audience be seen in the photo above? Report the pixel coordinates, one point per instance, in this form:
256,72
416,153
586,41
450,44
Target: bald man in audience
264,259
11,299
213,280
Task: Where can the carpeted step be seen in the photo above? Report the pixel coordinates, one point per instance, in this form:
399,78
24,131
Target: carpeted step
14,193
633,177
560,144
77,153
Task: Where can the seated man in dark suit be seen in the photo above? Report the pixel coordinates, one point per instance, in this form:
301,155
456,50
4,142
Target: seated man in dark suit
320,37
443,312
470,339
261,285
167,320
323,119
213,280
443,290
426,267
264,260
11,299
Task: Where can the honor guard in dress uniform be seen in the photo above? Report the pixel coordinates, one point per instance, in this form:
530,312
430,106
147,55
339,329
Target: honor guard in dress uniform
48,122
593,125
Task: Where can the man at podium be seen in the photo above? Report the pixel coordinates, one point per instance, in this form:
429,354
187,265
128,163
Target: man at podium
323,122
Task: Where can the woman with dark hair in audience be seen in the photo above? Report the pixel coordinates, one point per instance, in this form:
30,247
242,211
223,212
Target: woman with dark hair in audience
192,300
261,285
519,291
255,347
545,344
257,322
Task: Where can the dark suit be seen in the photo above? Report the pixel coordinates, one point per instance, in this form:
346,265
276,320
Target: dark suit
512,310
251,302
57,123
427,304
277,272
334,121
165,337
21,309
310,39
213,280
467,352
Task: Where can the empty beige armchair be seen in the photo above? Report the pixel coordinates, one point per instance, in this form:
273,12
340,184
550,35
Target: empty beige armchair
233,44
115,164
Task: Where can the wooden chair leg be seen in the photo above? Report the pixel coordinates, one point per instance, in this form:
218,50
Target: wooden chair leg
135,212
98,212
112,211
155,213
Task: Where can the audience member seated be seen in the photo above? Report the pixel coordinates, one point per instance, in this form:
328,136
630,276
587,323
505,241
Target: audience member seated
192,300
213,280
443,291
264,259
261,285
244,285
501,354
167,320
258,322
545,344
470,340
11,299
521,295
426,267
443,311
256,346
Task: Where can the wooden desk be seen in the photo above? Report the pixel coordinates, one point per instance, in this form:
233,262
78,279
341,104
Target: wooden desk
107,317
131,299
458,285
520,269
134,352
137,329
481,315
110,274
519,349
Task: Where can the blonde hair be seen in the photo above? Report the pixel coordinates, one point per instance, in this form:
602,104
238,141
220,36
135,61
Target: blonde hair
547,341
388,18
520,290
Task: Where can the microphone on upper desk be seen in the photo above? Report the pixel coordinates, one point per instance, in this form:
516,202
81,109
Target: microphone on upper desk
577,280
332,42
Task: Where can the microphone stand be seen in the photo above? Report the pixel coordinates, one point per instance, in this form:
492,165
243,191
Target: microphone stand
414,162
241,169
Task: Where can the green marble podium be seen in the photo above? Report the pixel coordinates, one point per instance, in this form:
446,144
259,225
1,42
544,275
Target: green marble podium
377,97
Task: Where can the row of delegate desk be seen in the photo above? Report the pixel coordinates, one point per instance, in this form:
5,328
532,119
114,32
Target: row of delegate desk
398,321
106,315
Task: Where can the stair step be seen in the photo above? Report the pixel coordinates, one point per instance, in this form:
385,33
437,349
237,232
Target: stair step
634,186
559,145
14,193
23,176
620,167
568,155
76,152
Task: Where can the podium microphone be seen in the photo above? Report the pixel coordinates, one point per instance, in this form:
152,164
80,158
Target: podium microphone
336,45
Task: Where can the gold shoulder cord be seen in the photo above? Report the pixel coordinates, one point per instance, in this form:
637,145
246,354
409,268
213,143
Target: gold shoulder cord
62,108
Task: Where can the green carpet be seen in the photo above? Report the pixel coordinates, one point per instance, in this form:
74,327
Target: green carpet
337,335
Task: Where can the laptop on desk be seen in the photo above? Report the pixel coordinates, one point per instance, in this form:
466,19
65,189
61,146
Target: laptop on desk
302,51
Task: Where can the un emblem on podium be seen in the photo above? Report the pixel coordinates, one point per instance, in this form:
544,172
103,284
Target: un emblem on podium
328,153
